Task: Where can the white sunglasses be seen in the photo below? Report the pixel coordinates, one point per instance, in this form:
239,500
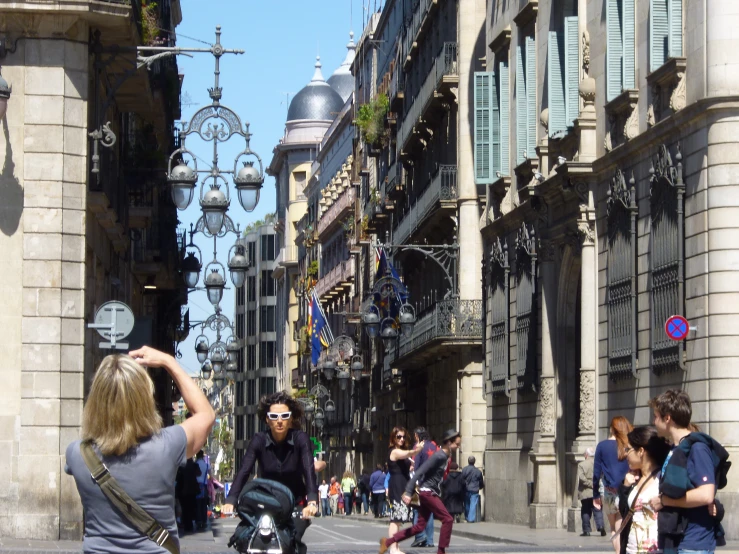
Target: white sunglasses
274,416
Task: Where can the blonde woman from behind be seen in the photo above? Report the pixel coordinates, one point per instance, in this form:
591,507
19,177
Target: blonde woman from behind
121,420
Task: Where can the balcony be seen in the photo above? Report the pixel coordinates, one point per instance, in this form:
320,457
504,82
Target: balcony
443,76
287,258
396,90
337,280
442,327
335,215
442,191
420,21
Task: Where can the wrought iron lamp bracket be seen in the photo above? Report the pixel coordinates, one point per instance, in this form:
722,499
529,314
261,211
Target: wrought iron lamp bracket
445,255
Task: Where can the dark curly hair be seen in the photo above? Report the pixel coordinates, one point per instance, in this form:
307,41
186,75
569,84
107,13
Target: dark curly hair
281,397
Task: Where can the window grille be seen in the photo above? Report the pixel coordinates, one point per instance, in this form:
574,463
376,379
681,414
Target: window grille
621,212
497,325
526,307
666,257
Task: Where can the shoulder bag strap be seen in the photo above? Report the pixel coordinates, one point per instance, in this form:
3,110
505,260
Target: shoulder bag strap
627,518
127,506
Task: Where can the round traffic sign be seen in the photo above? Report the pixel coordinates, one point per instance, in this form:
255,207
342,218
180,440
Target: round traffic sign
677,327
124,319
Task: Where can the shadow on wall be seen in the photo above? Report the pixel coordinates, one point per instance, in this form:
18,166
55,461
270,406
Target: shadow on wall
11,192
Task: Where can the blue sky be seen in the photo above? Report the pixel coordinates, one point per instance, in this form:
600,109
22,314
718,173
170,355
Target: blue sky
281,39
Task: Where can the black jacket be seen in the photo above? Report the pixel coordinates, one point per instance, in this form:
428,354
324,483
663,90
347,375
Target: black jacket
452,492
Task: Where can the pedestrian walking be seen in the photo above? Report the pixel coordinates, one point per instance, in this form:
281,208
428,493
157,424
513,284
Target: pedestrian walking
426,537
334,492
348,484
474,482
585,495
364,489
453,490
122,429
695,468
610,464
323,493
377,487
399,466
202,496
429,477
645,454
386,504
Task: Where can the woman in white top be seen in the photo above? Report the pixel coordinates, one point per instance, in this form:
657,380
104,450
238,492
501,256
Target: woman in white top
646,453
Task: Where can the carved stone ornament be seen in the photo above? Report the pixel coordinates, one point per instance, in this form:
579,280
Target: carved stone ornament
677,99
499,253
587,402
619,194
510,201
548,251
586,51
526,239
650,116
455,94
631,127
546,403
580,188
586,233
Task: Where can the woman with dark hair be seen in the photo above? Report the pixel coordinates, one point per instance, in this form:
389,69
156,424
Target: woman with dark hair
611,465
284,454
399,467
645,454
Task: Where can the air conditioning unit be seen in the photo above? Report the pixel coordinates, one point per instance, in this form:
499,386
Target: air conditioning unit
398,406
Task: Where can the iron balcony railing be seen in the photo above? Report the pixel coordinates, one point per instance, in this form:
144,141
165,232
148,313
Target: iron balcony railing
397,83
419,14
443,187
336,212
444,320
342,273
445,65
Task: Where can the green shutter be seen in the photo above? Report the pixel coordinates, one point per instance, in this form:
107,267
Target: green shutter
614,49
531,96
572,70
658,33
483,173
494,127
676,28
629,26
520,105
503,94
556,86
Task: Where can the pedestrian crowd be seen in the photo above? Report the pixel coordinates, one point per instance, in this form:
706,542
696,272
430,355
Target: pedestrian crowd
656,484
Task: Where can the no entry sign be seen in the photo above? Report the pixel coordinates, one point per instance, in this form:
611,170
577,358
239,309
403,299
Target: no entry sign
677,327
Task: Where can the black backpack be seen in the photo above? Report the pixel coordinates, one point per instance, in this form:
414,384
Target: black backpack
260,496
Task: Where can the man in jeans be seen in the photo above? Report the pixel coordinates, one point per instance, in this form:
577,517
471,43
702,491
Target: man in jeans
429,477
473,480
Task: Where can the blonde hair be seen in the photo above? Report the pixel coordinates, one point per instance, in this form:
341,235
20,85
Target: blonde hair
348,474
120,410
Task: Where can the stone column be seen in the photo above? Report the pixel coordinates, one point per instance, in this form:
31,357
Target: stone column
543,511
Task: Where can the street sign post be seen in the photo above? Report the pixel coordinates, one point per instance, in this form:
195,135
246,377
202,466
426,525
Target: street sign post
677,327
113,321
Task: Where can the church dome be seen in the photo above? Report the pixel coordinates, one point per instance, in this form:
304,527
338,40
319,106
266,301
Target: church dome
316,101
342,81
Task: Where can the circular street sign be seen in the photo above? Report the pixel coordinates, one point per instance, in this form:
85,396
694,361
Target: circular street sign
124,319
677,327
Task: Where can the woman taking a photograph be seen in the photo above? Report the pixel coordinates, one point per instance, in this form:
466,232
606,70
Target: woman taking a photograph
121,423
399,467
611,465
645,453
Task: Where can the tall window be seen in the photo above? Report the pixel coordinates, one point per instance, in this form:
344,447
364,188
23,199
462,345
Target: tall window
251,357
621,278
251,289
267,283
497,317
526,325
250,427
267,385
619,47
665,31
526,117
491,150
251,392
267,354
251,323
252,252
666,257
267,248
240,325
267,319
563,72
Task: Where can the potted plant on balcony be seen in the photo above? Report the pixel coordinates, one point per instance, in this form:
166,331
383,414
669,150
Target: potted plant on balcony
371,122
313,269
150,24
364,230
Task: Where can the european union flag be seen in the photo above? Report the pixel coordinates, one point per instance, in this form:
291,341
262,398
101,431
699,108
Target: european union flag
318,334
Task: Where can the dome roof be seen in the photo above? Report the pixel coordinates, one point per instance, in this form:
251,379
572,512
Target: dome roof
317,100
342,81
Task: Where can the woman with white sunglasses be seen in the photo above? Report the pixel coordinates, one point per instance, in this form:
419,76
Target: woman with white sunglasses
283,453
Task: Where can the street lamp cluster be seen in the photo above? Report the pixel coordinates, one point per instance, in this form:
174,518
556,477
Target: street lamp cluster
377,316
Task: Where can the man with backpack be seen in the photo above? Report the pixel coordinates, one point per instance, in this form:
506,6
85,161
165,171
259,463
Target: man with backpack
689,513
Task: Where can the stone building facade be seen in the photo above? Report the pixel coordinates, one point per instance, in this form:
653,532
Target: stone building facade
610,207
73,239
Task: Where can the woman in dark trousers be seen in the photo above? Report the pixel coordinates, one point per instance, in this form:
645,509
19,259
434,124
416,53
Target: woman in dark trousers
377,488
284,454
453,491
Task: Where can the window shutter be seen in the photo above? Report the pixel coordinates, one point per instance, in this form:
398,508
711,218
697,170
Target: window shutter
629,24
531,96
494,127
658,33
520,105
555,86
572,70
503,94
676,28
482,127
614,49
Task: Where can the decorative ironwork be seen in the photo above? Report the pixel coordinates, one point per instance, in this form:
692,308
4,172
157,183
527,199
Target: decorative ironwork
621,278
497,317
443,254
526,309
666,257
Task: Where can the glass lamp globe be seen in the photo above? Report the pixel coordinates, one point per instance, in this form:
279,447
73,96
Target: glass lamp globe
248,183
371,321
191,267
207,370
182,179
407,319
233,350
238,265
214,205
329,367
343,377
214,285
318,419
217,358
201,349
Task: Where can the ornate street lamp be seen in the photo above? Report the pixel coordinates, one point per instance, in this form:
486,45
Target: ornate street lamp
206,370
231,370
319,418
202,348
357,366
217,358
388,332
214,284
330,411
407,317
248,181
214,205
344,377
182,179
218,380
308,409
191,267
371,319
329,366
233,348
237,265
